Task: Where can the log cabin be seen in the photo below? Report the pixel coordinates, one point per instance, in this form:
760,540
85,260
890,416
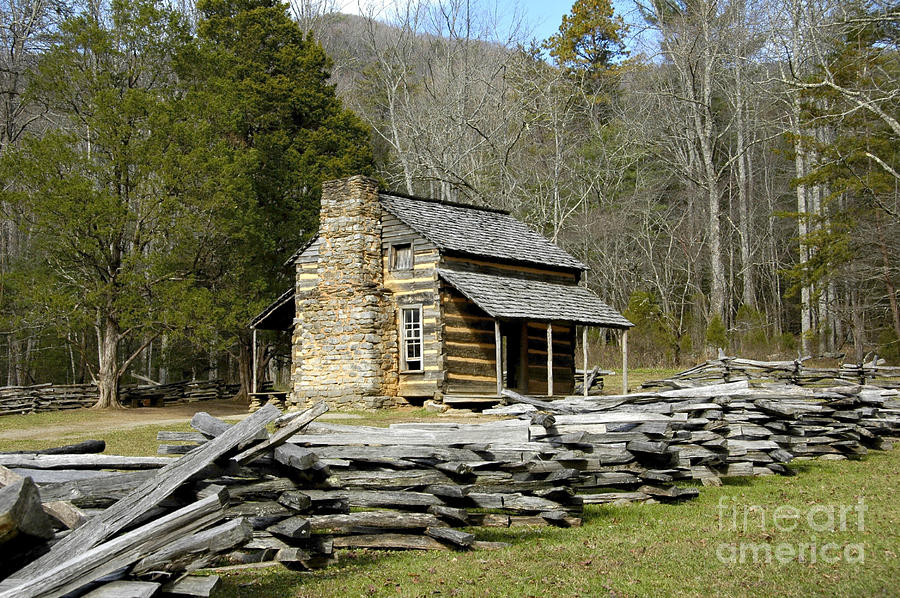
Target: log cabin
399,299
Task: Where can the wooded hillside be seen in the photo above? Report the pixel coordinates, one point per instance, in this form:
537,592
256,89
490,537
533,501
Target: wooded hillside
728,169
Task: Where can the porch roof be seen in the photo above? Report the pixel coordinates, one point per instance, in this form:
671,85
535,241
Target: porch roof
520,298
279,315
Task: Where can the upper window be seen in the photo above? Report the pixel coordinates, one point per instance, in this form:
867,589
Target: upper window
411,339
402,256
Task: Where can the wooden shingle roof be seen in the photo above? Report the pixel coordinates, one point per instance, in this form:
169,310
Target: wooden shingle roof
511,297
475,231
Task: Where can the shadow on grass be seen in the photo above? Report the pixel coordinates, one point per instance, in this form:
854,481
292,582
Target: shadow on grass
738,481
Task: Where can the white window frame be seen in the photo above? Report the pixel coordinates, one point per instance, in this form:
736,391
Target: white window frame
406,340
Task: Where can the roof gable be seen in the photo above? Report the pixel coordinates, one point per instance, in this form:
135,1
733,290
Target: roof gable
477,231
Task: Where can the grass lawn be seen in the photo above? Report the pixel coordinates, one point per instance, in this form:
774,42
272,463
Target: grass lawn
691,549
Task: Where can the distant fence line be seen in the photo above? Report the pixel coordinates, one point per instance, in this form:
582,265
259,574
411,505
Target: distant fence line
734,369
55,397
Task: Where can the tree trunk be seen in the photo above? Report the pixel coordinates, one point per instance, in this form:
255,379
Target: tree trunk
802,230
108,374
858,324
748,295
163,355
888,281
10,361
245,370
703,121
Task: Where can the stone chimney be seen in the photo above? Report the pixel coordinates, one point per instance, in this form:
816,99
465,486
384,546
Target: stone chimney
345,331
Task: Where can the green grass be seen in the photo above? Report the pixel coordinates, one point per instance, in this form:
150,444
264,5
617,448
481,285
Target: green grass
646,550
133,441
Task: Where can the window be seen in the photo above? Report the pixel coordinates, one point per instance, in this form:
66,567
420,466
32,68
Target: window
411,339
402,256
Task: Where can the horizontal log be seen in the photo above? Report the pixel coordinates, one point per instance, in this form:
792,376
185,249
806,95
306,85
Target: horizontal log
452,515
391,499
451,537
88,461
389,542
124,589
360,522
98,491
79,448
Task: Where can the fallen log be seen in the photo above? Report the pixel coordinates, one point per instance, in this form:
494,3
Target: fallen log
79,448
450,536
90,461
389,542
514,397
124,589
100,491
368,520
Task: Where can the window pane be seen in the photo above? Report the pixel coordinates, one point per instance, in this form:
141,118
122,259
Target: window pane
411,335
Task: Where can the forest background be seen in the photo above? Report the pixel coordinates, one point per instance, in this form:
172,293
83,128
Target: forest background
729,169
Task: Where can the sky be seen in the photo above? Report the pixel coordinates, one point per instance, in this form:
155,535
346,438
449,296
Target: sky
541,17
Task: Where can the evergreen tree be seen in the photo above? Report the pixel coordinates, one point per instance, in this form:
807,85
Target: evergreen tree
264,86
115,215
590,39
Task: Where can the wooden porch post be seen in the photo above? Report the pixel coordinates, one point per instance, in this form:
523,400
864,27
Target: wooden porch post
549,359
498,352
584,353
253,357
625,361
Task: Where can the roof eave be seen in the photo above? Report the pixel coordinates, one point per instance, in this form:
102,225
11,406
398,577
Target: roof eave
572,269
288,295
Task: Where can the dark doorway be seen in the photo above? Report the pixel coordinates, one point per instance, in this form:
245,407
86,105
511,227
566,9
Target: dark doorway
515,355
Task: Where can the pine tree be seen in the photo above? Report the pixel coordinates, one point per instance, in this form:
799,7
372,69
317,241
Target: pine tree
264,86
590,39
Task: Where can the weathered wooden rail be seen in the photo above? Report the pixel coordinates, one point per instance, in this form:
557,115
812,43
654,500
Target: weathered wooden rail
56,397
733,369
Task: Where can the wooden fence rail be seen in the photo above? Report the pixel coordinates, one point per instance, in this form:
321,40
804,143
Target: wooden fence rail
55,397
735,369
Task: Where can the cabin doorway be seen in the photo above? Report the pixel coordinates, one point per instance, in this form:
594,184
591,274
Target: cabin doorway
514,337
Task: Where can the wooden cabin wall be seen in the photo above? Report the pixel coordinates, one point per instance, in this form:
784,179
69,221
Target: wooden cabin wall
469,347
307,267
418,286
563,358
